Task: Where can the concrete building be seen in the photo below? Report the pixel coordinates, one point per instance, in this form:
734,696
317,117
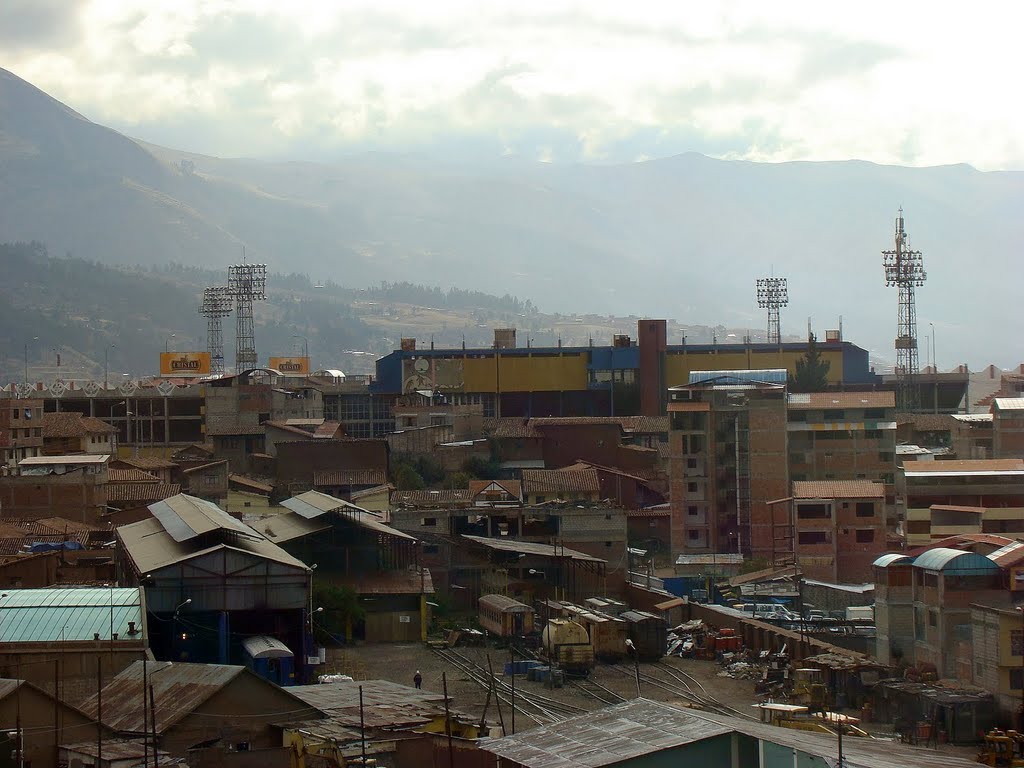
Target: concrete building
840,528
972,436
1008,427
894,608
998,653
74,487
21,431
727,460
960,486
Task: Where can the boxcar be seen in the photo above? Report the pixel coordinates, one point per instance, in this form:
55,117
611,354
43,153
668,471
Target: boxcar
648,632
607,633
505,617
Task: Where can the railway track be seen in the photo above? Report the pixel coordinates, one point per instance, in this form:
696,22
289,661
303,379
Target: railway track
597,691
537,707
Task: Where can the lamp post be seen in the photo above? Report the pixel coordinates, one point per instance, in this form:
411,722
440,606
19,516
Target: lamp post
106,364
174,626
305,344
167,343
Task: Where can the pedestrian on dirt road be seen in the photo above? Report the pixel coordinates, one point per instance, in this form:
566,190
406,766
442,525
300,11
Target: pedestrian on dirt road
417,679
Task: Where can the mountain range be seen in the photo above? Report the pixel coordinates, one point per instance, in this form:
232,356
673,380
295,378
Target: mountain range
682,237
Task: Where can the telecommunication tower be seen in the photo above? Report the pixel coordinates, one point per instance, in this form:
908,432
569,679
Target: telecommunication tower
904,269
246,283
773,293
216,306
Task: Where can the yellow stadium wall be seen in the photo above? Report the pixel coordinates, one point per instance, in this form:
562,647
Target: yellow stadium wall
541,373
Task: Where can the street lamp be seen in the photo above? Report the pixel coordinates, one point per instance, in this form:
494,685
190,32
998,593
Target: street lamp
305,344
106,363
167,342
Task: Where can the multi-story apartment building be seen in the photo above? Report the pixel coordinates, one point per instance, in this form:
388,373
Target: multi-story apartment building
1008,427
21,430
842,436
727,460
840,528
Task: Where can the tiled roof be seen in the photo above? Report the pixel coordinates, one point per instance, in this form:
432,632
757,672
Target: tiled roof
248,484
146,463
928,422
118,475
560,481
827,400
510,428
230,427
141,492
326,479
429,499
71,424
511,487
204,467
327,429
644,425
838,489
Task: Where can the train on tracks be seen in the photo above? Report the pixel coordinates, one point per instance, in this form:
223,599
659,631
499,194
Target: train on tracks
506,618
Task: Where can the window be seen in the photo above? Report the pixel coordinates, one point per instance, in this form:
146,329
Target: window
691,511
813,511
813,537
17,413
1016,678
865,509
430,549
691,488
933,618
872,434
428,522
885,456
607,543
874,413
539,499
798,415
691,463
835,414
865,535
1016,642
693,535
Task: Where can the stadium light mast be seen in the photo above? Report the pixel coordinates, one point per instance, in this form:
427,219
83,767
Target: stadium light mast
772,294
247,283
217,301
904,269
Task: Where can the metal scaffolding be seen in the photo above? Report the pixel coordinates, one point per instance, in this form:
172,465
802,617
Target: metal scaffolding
216,305
246,283
904,269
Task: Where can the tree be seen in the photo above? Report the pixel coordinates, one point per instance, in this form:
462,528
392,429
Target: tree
407,478
341,609
811,371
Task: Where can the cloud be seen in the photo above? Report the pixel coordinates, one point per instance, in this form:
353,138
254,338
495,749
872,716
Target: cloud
599,81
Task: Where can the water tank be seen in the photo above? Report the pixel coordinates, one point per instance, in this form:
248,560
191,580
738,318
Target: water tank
564,632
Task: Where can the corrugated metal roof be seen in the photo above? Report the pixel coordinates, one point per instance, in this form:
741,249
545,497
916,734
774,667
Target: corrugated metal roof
266,647
966,467
531,548
78,458
313,504
69,614
838,489
184,517
605,737
1009,403
762,376
505,604
285,527
385,704
953,561
891,558
1008,555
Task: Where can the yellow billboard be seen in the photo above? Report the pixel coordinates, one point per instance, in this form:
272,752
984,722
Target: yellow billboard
184,363
291,366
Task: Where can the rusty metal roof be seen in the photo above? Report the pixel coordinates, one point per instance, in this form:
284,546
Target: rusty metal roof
313,504
505,604
184,517
178,690
385,704
532,548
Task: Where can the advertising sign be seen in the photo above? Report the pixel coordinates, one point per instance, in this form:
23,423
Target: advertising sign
291,366
184,363
433,374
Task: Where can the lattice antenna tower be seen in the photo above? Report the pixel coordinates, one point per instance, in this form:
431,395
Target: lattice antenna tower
217,302
247,283
772,294
904,269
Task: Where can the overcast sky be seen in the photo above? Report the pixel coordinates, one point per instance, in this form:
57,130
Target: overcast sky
907,83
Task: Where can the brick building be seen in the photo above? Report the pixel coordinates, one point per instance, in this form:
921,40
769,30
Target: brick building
894,607
727,460
840,528
21,430
74,487
67,432
1008,427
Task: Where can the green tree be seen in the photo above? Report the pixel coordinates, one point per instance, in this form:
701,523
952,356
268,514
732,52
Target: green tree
341,609
811,371
407,478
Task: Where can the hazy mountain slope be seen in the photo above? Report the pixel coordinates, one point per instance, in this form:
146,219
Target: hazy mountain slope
683,237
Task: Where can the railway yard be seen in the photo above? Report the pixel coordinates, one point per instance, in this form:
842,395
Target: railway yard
690,681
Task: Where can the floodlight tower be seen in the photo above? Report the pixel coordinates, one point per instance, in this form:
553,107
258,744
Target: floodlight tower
904,269
773,293
216,305
247,283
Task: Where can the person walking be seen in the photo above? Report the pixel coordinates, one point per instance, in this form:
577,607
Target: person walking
417,679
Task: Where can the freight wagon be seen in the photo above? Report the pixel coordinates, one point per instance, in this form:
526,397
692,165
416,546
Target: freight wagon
567,644
505,617
648,632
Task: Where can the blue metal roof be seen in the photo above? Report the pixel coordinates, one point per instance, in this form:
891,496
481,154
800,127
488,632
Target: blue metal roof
69,614
954,561
892,558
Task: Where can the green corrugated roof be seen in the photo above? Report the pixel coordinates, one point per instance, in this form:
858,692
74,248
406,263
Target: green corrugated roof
69,614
